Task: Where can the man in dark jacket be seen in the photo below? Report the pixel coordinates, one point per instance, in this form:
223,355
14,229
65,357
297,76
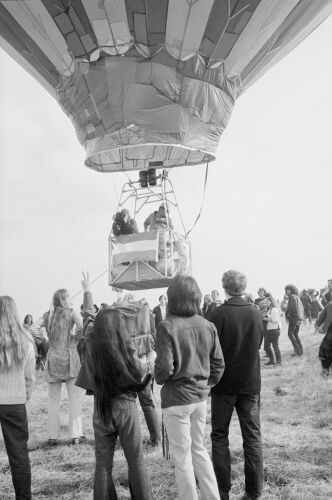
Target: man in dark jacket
160,311
240,331
208,307
294,314
325,349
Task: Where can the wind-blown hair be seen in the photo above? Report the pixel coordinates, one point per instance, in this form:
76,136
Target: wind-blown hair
13,337
184,296
59,313
292,289
114,372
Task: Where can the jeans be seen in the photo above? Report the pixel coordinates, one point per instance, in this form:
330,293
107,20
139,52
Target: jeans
185,427
147,402
248,411
75,409
273,338
125,424
14,424
293,335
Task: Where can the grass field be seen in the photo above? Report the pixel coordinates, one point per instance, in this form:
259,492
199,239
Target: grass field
296,429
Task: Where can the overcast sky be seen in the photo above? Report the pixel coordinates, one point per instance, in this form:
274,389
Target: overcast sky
267,210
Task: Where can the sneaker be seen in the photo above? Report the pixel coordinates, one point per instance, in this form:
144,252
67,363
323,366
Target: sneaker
270,363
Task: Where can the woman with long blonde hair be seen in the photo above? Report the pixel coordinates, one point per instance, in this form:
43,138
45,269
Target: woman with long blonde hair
17,376
62,364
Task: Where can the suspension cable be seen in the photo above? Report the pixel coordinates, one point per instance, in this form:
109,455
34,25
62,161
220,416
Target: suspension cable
203,199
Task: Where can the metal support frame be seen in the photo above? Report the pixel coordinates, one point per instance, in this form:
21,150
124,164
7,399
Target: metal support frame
162,192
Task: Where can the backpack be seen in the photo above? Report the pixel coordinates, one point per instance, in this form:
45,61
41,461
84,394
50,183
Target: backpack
139,323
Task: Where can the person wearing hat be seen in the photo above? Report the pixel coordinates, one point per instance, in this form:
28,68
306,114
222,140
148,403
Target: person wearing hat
158,219
123,223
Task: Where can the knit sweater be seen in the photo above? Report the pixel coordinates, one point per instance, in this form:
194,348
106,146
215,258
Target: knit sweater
17,383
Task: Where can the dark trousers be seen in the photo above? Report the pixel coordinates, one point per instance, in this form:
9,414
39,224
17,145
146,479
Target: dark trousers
42,349
273,339
248,411
14,424
293,335
125,424
148,405
325,350
265,338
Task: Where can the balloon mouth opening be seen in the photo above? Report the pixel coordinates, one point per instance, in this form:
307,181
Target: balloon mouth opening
141,157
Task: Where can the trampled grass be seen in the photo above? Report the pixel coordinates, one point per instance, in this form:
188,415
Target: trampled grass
296,429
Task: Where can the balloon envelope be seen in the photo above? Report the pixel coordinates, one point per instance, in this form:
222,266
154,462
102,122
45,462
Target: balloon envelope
152,83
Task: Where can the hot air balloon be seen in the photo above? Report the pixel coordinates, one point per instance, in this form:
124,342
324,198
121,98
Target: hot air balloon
151,84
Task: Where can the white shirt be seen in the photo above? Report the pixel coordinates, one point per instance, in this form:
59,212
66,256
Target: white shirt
274,321
163,312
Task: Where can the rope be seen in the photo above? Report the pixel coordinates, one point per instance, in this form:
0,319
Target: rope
179,211
200,210
93,281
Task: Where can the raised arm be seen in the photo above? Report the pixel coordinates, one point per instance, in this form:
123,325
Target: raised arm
88,306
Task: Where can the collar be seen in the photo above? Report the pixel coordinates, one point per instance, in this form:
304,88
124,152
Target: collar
237,301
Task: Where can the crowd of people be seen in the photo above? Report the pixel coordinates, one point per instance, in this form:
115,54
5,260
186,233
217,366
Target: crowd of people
115,353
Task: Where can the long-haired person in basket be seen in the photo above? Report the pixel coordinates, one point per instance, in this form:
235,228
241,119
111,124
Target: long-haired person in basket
17,376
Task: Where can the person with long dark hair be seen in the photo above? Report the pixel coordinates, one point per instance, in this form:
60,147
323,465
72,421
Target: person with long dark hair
113,372
17,376
63,326
189,362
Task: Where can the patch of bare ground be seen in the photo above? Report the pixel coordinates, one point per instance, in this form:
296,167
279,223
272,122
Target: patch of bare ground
296,416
